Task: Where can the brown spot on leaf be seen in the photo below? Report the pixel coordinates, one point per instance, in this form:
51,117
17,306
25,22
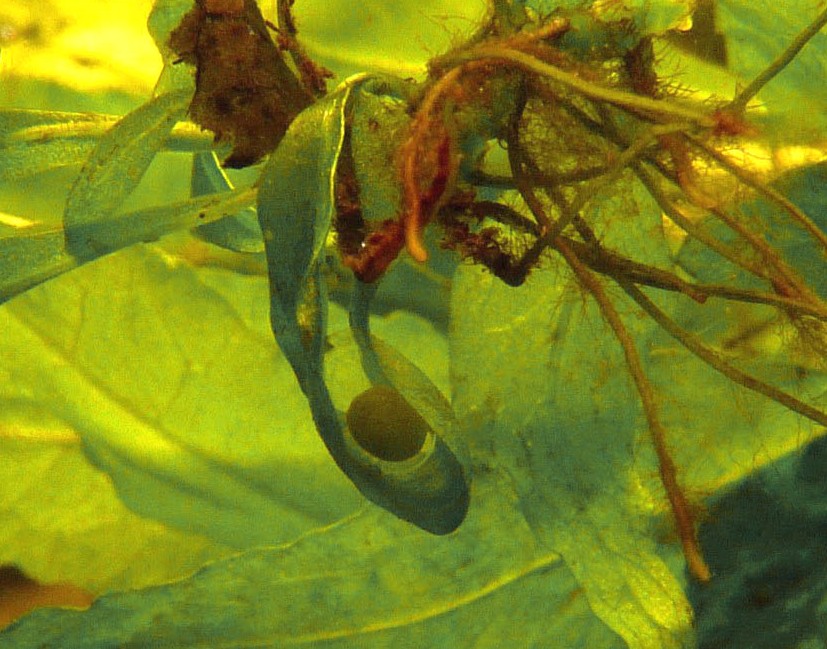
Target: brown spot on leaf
244,91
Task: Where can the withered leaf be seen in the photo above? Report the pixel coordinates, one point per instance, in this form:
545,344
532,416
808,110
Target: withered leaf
245,92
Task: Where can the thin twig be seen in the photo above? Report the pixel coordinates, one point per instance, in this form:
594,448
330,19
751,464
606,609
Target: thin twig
740,102
692,343
787,279
610,263
516,160
587,193
312,75
693,230
607,262
667,469
753,181
637,104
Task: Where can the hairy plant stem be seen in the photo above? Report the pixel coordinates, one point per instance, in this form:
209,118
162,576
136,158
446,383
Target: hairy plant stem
692,343
609,263
693,229
609,130
785,280
618,267
653,109
681,510
750,180
312,76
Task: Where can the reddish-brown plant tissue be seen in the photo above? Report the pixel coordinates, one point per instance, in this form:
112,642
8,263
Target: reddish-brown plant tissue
245,92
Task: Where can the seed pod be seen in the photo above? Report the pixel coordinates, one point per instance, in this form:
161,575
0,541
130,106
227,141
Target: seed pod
398,461
385,425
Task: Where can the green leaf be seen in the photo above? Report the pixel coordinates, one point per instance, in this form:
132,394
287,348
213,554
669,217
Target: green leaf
295,211
32,255
175,395
562,428
61,521
541,387
239,232
374,36
756,32
33,141
115,168
371,582
296,208
168,375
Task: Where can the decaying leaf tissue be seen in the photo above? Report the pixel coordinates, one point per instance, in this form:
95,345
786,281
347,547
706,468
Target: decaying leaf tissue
245,92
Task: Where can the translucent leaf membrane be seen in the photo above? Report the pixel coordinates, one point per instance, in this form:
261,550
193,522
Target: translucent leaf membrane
34,141
62,521
164,382
549,404
116,154
372,581
377,37
564,425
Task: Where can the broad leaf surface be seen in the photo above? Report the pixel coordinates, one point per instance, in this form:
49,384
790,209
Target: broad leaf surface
61,520
539,378
375,36
173,394
170,377
372,582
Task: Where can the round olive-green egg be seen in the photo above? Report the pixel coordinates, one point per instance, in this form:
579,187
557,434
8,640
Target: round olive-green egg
385,425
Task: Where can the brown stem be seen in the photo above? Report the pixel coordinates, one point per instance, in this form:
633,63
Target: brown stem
313,76
750,180
681,510
692,343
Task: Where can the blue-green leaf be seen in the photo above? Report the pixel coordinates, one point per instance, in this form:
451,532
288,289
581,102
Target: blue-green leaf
296,207
115,168
33,142
32,255
239,232
177,395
